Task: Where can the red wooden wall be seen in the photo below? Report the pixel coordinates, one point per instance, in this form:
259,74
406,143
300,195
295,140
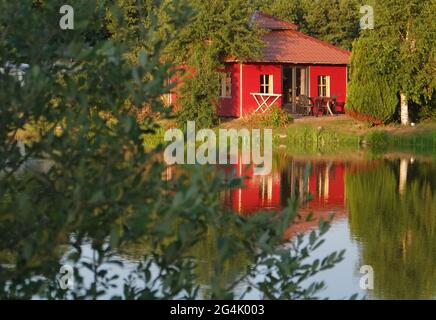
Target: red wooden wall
338,80
251,84
251,73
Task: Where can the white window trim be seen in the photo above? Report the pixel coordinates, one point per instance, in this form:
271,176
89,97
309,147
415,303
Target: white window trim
270,83
327,85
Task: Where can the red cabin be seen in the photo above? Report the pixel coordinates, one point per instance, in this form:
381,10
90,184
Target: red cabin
294,67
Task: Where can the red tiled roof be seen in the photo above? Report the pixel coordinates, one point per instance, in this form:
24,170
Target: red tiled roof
291,46
285,44
265,21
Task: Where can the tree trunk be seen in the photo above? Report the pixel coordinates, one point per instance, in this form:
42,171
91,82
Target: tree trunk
404,105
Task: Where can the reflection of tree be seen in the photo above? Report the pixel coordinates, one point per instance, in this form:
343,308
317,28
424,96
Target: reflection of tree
212,271
31,241
397,231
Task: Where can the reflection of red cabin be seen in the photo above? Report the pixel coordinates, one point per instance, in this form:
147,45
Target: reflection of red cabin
259,192
292,65
325,184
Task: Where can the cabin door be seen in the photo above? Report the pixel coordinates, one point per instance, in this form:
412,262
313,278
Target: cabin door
295,84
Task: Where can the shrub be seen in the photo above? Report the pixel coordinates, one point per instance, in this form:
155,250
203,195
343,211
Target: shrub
198,99
427,112
372,96
104,192
277,117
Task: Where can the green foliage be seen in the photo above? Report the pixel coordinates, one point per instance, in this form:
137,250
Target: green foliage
421,141
131,21
428,111
371,92
277,117
131,18
218,29
377,138
291,11
198,96
335,21
311,139
407,31
94,188
397,56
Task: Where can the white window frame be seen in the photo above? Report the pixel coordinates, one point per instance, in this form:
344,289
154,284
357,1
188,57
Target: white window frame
226,85
266,84
324,85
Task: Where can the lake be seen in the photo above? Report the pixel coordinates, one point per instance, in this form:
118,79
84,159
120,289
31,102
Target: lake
384,208
385,217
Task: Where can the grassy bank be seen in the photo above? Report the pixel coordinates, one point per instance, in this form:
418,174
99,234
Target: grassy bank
314,135
314,139
346,133
329,134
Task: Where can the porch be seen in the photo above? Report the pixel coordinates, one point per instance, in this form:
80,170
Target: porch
299,95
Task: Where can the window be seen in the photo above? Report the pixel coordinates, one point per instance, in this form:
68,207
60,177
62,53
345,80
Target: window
324,86
266,84
226,85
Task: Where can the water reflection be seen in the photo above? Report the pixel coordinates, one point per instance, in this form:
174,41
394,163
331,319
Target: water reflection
325,184
390,209
393,215
385,217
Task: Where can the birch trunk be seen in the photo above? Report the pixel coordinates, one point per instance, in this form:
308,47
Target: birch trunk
404,104
404,110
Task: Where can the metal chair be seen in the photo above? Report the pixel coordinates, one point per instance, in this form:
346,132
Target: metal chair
318,107
304,105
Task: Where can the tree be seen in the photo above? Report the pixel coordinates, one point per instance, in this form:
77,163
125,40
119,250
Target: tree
100,189
291,11
218,29
401,49
372,94
334,21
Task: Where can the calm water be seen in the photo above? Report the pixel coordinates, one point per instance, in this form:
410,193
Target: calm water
385,217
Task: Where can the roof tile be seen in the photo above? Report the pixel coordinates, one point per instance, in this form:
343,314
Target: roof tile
285,44
291,46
